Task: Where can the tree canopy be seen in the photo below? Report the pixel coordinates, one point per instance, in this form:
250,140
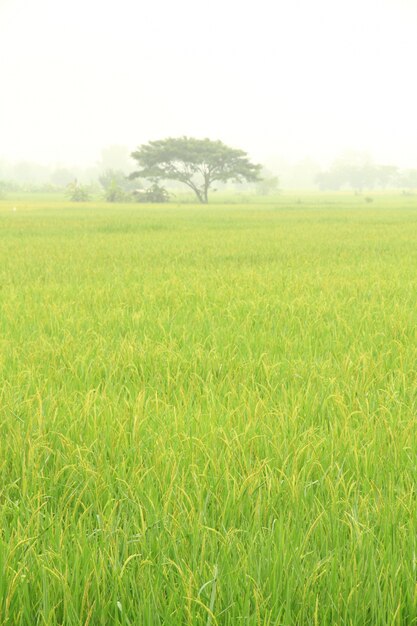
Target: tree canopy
197,163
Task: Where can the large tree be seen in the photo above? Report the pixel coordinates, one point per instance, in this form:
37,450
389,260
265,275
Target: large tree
197,163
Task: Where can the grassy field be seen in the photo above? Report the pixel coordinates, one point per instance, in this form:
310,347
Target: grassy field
208,414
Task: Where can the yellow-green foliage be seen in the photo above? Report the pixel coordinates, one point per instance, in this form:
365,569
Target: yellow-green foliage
208,416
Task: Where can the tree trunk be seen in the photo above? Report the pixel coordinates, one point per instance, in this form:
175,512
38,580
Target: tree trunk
206,187
199,196
201,193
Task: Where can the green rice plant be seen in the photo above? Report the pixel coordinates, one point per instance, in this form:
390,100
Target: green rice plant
207,416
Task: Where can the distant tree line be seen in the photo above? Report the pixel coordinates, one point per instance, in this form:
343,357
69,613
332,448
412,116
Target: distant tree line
202,166
365,175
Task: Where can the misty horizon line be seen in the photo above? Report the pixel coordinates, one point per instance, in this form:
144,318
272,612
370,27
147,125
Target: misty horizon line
354,169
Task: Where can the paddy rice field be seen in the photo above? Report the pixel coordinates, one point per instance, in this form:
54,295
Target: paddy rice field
208,414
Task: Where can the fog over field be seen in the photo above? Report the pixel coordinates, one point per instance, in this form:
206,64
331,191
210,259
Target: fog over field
278,78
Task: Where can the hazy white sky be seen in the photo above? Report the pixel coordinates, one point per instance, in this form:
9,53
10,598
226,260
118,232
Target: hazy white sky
284,77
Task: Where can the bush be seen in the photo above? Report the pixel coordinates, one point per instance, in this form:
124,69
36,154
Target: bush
155,193
78,193
114,193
